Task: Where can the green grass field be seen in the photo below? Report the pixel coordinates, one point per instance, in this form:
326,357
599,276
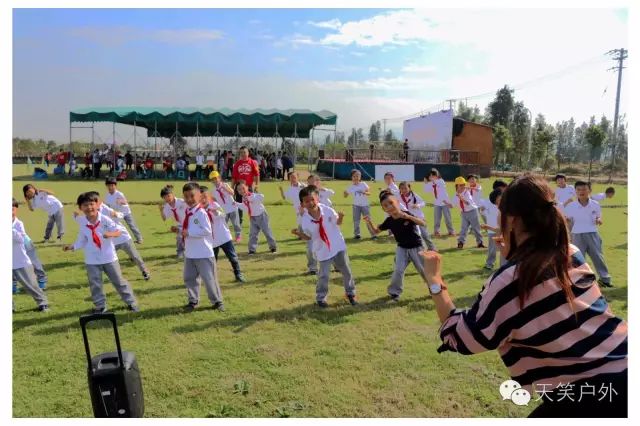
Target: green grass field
272,353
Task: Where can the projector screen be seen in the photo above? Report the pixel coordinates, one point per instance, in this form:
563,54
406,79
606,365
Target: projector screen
431,132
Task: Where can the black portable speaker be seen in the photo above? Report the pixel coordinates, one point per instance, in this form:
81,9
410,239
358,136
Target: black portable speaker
115,384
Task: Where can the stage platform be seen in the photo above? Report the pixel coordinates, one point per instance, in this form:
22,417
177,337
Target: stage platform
414,172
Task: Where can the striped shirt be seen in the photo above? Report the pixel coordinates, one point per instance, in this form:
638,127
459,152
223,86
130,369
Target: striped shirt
546,342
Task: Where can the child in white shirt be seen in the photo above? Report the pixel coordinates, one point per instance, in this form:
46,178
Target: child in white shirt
608,193
199,259
441,206
22,268
173,208
321,226
324,194
44,199
252,205
118,202
412,203
565,194
96,238
468,213
223,194
360,192
584,216
490,208
293,194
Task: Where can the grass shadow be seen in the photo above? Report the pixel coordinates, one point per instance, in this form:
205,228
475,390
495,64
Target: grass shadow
335,314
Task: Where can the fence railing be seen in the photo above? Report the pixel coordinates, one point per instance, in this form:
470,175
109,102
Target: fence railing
445,156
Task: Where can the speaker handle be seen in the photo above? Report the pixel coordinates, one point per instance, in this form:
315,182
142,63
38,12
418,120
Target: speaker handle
109,316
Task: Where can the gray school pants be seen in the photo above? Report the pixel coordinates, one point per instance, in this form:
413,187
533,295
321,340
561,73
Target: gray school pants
235,221
590,243
94,273
133,254
470,220
438,212
341,263
58,219
179,241
37,265
427,239
358,212
204,268
134,228
27,278
260,223
403,257
491,254
312,262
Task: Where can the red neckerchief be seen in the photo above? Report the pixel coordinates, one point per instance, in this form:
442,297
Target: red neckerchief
175,212
221,194
188,214
461,202
435,191
323,233
406,202
246,202
210,218
94,235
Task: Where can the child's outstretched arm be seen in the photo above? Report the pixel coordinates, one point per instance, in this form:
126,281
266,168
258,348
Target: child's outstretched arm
489,228
300,234
340,218
414,219
373,228
161,207
282,192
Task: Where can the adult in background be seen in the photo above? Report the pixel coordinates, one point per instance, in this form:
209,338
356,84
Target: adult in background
543,311
405,150
199,164
87,160
61,159
246,170
287,165
229,167
96,160
211,161
128,159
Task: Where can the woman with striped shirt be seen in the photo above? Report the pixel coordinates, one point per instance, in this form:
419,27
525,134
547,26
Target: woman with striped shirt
543,311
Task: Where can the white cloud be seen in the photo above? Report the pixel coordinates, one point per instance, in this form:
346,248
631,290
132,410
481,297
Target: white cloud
419,69
331,24
381,83
113,36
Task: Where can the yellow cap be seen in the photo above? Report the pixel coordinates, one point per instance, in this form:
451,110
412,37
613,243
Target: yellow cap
214,174
460,181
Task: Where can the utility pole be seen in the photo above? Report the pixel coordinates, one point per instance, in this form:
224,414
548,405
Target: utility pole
384,128
617,55
451,101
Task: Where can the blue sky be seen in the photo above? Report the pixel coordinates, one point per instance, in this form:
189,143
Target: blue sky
363,64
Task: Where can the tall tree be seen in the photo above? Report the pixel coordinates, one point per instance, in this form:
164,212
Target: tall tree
520,129
374,132
595,137
469,113
564,140
502,143
543,136
500,110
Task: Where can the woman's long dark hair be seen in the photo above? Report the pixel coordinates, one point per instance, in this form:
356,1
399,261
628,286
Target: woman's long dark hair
545,254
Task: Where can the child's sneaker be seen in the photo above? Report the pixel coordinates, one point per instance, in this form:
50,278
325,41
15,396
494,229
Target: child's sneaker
436,234
488,268
238,239
146,275
604,284
240,278
45,240
252,252
218,306
43,308
311,273
374,238
352,299
42,285
59,239
394,297
322,304
15,288
101,310
274,250
180,256
460,245
481,245
134,308
452,234
357,237
138,241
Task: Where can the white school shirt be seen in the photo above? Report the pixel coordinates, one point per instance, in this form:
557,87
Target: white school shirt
491,214
199,241
441,188
199,160
476,193
599,197
111,200
330,224
46,202
92,254
180,207
19,255
563,194
229,204
412,198
324,194
583,217
358,192
105,210
394,189
293,194
221,233
255,201
466,196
